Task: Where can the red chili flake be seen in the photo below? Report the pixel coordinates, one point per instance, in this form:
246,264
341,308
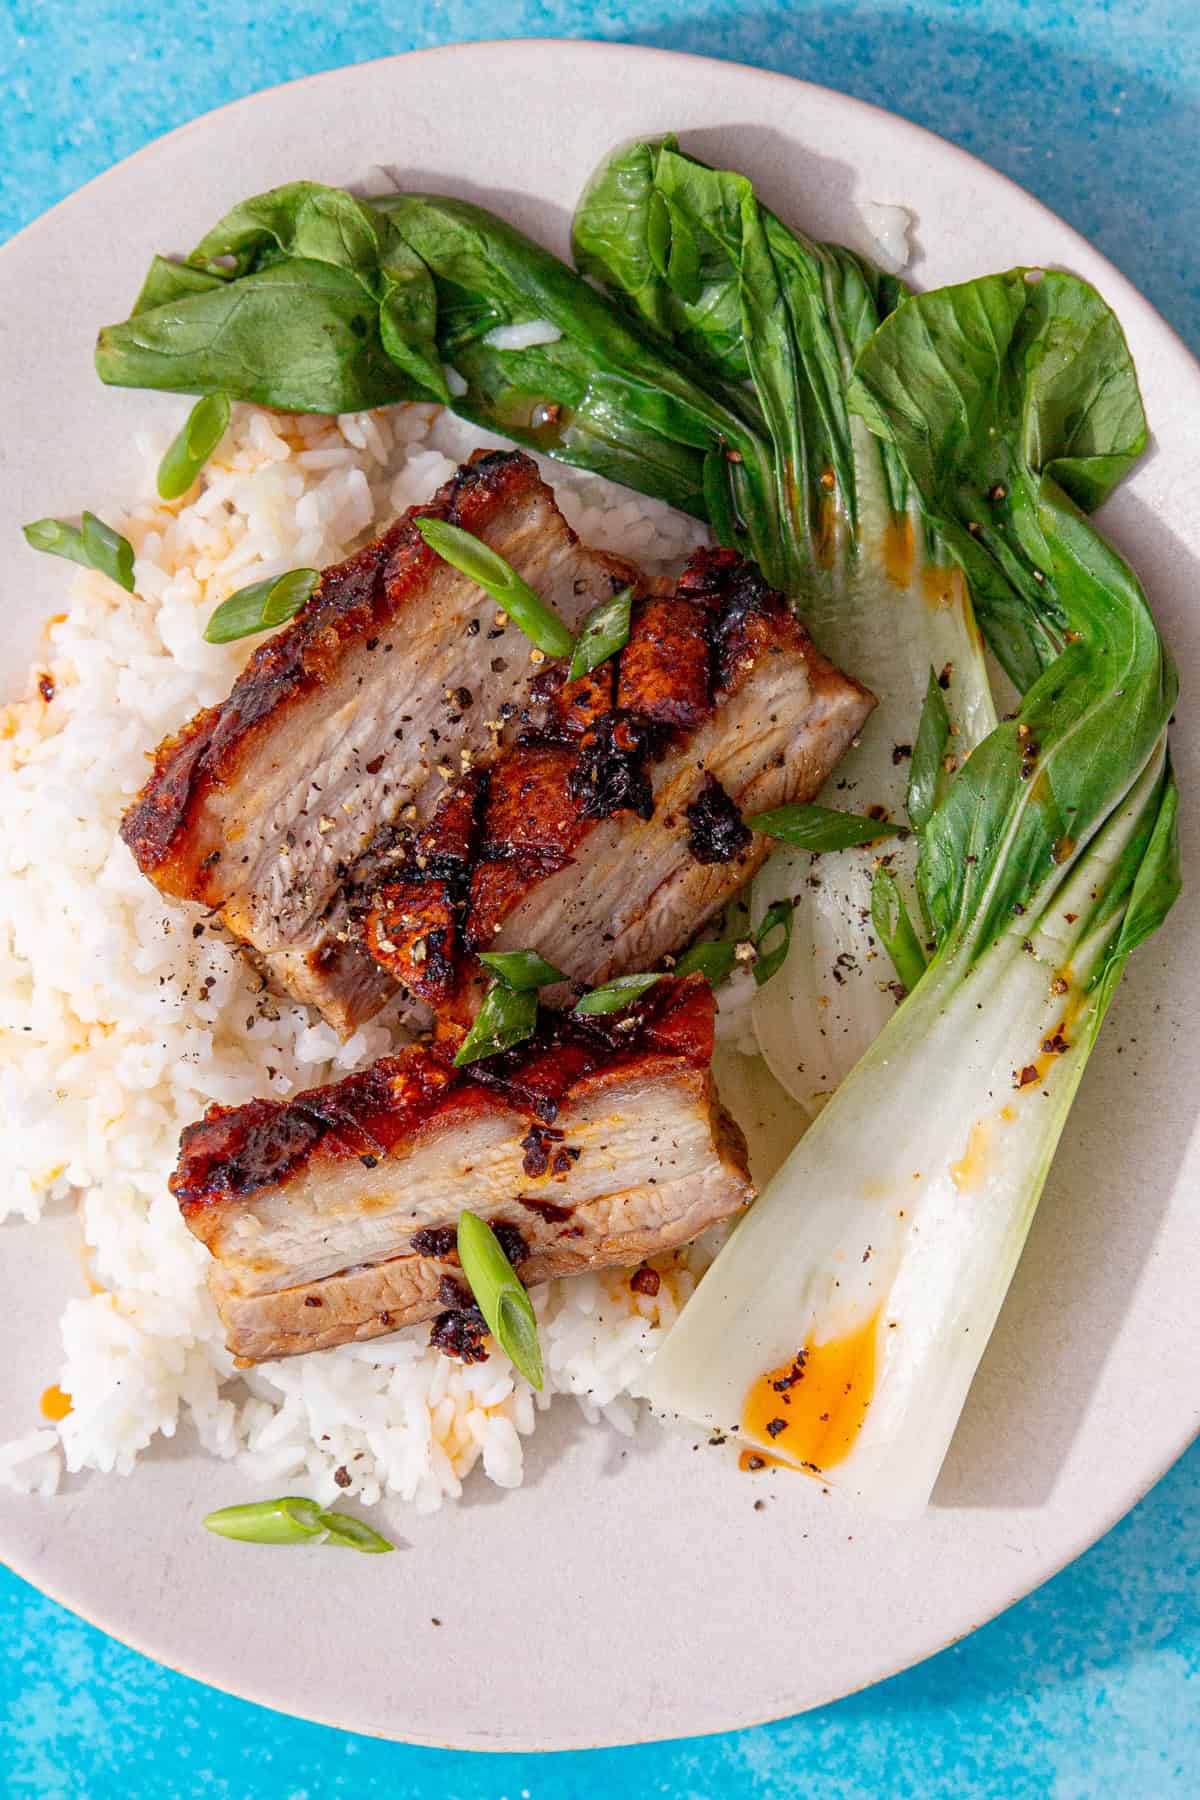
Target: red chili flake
46,687
646,1281
1023,1077
775,1426
313,1300
343,1477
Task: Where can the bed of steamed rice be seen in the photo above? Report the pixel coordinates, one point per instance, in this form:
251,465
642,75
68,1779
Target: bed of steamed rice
123,1018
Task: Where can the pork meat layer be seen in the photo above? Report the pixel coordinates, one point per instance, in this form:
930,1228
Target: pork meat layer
611,829
395,677
332,1217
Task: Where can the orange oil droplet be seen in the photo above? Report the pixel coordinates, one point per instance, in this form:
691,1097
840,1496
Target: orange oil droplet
971,1168
55,1404
825,546
939,585
1064,847
823,1409
898,550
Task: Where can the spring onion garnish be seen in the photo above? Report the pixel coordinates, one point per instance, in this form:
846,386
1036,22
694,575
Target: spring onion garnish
714,960
507,1017
770,961
500,1296
928,757
521,969
294,1520
602,634
92,543
615,995
475,559
261,605
819,828
895,928
191,449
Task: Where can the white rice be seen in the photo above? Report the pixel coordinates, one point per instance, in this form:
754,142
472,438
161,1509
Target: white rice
120,1025
522,337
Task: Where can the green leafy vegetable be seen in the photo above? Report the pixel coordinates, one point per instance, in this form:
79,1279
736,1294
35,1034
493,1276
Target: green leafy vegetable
521,969
190,450
771,957
703,262
467,553
602,634
818,828
294,1520
507,1017
928,757
93,544
897,934
1011,402
303,298
261,605
615,995
500,1296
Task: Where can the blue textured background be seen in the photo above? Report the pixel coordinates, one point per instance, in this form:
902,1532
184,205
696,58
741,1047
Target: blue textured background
1090,1687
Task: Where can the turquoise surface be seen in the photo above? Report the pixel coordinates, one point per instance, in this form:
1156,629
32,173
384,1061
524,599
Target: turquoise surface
1090,1687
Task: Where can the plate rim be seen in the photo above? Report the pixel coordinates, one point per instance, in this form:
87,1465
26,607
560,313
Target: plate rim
1129,299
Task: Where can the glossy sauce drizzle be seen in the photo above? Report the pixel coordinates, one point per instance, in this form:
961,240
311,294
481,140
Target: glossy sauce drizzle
811,1410
898,550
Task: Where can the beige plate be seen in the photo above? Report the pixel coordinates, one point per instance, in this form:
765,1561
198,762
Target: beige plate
632,1593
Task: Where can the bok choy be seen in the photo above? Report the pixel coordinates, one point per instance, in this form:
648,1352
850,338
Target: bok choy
696,255
843,1322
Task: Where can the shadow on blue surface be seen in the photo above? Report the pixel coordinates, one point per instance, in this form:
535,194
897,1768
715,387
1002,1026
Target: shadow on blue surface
1092,139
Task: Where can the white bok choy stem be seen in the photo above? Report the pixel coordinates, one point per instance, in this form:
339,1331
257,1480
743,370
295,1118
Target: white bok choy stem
884,1246
891,613
843,1322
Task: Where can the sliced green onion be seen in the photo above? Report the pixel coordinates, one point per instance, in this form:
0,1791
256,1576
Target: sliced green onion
467,553
602,634
891,920
92,544
354,1534
818,828
500,1296
190,450
777,918
507,1017
714,960
293,1520
521,969
261,605
925,771
615,995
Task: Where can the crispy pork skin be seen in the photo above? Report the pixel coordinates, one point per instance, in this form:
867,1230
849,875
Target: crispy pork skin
331,1217
395,677
607,833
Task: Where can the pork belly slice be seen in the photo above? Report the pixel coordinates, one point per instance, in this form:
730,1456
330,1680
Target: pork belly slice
606,837
331,1217
393,678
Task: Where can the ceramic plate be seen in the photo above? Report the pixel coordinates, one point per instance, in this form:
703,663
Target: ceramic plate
633,1592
